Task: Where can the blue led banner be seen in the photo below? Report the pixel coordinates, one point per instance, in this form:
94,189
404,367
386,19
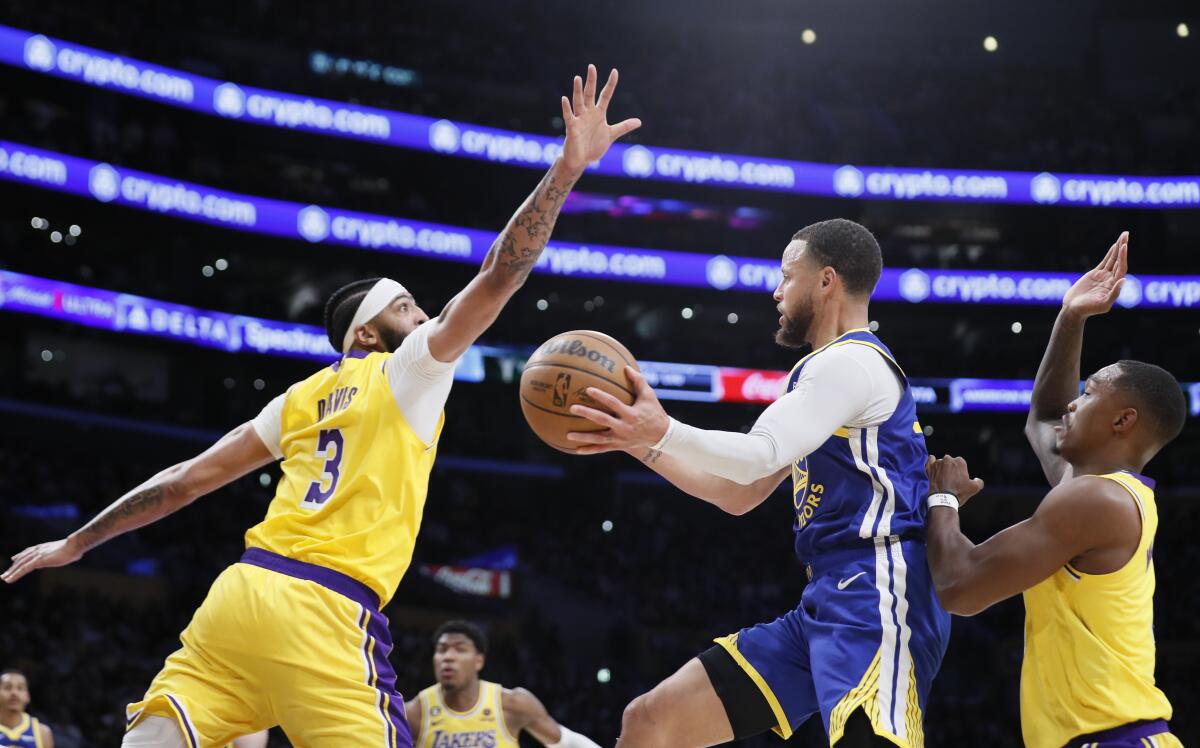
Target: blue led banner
322,224
110,71
108,310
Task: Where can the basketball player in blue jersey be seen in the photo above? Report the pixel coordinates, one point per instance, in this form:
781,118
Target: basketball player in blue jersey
292,635
868,636
1085,559
17,728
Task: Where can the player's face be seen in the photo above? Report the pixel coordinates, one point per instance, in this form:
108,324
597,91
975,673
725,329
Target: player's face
400,318
794,295
1088,423
14,692
456,662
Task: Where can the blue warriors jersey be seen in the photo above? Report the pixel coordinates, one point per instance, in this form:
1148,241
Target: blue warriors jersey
27,734
862,483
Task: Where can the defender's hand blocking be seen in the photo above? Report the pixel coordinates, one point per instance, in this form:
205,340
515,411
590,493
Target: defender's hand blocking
586,120
1096,291
639,425
951,475
55,553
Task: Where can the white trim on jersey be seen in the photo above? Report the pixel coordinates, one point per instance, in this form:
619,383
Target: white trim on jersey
895,659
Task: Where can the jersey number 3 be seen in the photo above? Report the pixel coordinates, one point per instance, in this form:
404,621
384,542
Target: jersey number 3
330,445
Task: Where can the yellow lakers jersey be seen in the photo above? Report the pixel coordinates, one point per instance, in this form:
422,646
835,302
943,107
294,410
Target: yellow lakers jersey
1089,643
355,476
481,726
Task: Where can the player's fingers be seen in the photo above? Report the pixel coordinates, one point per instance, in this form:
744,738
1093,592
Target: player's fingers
567,114
638,380
1115,292
15,572
594,449
24,554
978,483
621,129
595,416
590,437
1110,256
589,88
606,93
577,95
1123,256
616,406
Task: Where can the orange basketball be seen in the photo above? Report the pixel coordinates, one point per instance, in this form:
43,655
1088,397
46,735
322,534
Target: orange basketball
557,376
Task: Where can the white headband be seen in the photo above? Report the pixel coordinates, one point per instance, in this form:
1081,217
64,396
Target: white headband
376,300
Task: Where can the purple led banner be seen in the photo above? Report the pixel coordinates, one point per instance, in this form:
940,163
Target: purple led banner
107,310
322,224
110,71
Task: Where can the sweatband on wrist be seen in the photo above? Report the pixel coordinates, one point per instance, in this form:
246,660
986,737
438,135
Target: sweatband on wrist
943,499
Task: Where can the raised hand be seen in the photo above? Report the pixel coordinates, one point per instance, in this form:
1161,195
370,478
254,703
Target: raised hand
586,118
951,475
628,427
56,553
1096,291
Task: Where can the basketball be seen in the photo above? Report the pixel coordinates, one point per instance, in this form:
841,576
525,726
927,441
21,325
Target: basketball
557,376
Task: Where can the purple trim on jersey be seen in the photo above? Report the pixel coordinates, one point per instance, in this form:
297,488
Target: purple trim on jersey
1123,734
385,680
186,722
327,578
1148,481
357,353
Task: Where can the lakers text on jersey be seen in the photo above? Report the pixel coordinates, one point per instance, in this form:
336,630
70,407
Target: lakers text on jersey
481,726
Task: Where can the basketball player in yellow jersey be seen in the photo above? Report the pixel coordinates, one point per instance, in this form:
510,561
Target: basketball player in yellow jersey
463,711
1085,559
17,728
292,635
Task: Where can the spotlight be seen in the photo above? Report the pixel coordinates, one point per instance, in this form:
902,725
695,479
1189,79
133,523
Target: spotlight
542,305
1183,31
38,223
603,675
990,43
56,236
259,384
207,271
74,230
808,36
1016,328
686,312
221,264
606,525
732,318
873,326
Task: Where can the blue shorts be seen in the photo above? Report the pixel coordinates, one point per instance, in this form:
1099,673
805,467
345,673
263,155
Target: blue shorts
869,633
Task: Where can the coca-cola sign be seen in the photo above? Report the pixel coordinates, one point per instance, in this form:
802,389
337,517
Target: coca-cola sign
752,385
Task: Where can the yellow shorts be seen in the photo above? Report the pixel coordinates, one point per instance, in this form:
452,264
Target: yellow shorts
282,642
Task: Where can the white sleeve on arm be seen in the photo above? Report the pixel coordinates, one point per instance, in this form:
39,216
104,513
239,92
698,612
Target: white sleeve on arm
850,385
268,424
420,383
571,739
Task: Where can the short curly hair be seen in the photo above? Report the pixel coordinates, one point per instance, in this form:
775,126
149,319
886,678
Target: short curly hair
849,248
340,309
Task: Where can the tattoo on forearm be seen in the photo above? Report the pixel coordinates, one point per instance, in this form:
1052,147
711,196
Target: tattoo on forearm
518,248
136,504
652,456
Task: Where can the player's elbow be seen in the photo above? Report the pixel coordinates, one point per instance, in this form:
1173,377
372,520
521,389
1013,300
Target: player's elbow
958,600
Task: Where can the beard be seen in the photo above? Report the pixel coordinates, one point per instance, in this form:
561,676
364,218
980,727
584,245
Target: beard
391,338
793,333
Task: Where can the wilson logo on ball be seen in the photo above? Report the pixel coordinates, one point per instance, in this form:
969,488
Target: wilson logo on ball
577,348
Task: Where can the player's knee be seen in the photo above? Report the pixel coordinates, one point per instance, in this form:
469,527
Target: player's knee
641,724
154,732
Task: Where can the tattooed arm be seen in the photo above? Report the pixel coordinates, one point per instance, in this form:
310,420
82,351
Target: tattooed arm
519,246
727,495
235,454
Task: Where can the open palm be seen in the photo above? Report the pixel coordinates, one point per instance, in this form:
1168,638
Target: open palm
586,118
1096,291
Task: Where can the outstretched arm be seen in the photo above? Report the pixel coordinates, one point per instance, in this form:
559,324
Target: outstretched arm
523,711
519,246
970,578
1057,382
730,496
234,455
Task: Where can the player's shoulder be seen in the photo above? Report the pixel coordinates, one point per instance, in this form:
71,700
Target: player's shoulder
1090,501
518,700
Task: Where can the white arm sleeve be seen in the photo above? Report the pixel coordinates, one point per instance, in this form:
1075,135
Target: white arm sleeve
850,385
268,424
420,383
572,740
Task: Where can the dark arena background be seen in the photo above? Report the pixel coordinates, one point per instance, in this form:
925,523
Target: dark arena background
183,184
